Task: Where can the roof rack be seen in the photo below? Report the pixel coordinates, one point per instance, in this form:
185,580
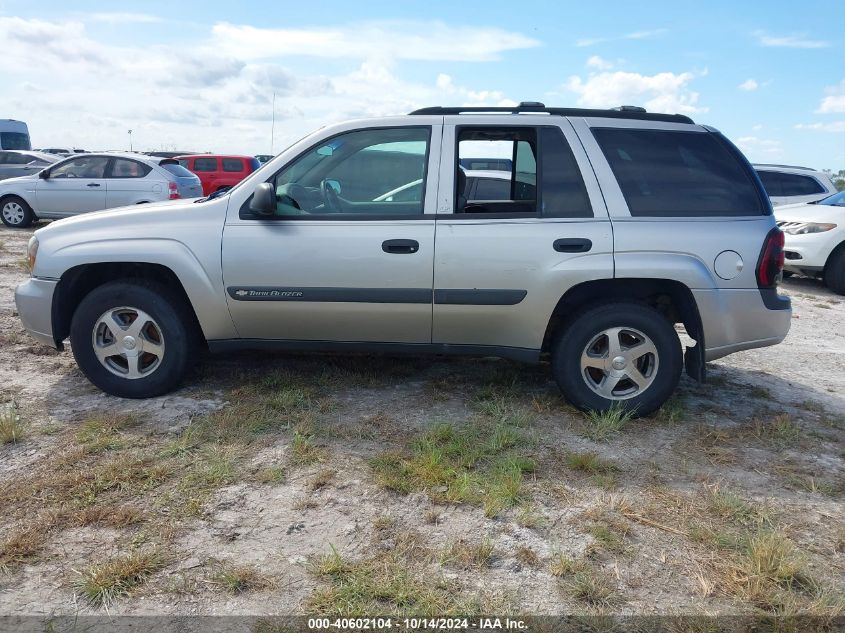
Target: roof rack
786,166
622,112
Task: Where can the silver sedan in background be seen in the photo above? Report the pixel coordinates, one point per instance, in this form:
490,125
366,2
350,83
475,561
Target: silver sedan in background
93,182
14,163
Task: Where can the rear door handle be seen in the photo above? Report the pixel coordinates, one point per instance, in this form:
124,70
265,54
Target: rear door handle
93,184
397,247
573,245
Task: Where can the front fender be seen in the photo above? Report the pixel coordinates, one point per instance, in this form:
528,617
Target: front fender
202,283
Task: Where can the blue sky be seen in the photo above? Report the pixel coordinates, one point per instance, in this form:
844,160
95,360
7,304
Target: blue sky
200,76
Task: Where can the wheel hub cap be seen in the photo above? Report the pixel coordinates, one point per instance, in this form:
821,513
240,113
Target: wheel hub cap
128,342
619,363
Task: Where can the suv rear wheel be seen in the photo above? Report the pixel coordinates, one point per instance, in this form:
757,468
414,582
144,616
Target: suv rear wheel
132,339
622,354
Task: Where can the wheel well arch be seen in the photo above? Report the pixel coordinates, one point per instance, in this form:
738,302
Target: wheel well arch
75,284
834,253
673,299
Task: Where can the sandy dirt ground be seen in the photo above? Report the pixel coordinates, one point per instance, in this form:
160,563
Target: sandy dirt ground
671,516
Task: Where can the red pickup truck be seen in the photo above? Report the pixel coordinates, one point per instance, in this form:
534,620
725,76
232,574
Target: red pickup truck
218,172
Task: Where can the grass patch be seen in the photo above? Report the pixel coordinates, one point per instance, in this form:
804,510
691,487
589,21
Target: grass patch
477,463
242,578
104,582
11,425
103,432
602,425
674,410
467,555
779,430
390,584
271,475
321,479
303,452
584,582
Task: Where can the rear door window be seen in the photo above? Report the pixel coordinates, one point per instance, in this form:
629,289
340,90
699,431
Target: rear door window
123,168
205,164
233,164
667,173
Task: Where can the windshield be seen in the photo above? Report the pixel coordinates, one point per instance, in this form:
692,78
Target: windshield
836,200
14,140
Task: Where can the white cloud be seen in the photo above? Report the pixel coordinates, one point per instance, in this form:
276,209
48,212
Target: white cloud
124,18
834,102
662,92
598,63
749,85
210,94
799,40
426,41
636,35
831,126
759,148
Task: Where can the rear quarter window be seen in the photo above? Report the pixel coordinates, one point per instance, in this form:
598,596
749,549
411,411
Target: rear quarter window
795,185
177,170
665,173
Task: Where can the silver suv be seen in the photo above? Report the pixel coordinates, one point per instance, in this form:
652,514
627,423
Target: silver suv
617,225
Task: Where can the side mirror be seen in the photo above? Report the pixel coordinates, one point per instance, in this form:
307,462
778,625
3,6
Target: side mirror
263,200
44,173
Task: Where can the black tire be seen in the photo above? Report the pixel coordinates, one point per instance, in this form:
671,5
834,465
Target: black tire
834,271
787,274
27,217
171,317
585,326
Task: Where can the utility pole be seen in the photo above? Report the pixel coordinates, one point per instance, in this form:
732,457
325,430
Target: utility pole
130,140
273,125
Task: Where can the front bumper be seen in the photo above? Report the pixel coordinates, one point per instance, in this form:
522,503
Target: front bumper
736,320
34,300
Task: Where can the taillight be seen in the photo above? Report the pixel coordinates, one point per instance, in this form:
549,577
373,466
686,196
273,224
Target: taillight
174,191
770,263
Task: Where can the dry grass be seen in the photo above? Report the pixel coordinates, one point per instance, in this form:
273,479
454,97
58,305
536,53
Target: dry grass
321,479
395,582
104,582
12,427
467,555
242,578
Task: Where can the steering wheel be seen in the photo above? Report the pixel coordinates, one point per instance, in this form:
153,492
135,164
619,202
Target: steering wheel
330,198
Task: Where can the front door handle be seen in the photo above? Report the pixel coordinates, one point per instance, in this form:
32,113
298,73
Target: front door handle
93,184
397,247
573,245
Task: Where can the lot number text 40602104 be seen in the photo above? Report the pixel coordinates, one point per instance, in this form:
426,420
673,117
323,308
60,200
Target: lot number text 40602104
416,624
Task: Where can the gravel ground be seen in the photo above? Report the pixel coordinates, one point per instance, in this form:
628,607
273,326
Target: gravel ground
765,433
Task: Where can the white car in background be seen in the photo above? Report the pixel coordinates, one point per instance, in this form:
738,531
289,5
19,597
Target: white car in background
93,182
815,239
787,184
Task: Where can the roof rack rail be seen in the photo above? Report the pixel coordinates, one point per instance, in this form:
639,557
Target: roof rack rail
786,166
621,112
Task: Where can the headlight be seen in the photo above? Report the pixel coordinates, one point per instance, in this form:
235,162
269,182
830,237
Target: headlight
808,227
31,252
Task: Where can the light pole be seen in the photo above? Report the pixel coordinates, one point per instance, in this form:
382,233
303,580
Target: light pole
130,140
273,125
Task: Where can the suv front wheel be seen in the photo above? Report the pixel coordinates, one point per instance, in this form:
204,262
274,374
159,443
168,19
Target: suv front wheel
132,339
618,354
